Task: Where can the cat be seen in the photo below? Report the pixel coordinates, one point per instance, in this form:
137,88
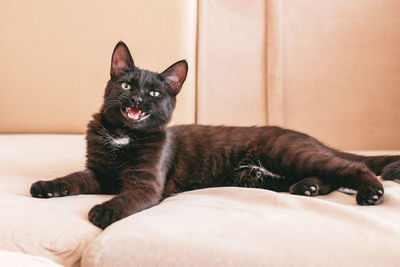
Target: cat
132,153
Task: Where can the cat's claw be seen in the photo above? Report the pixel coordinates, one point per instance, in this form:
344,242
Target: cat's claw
370,195
48,189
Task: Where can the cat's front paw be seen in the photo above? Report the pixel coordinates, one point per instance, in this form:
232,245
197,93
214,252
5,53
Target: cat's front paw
47,189
370,195
103,215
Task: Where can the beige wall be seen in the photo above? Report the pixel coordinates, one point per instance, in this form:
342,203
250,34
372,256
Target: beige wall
55,56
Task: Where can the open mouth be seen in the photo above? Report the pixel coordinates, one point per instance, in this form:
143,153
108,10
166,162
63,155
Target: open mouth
133,114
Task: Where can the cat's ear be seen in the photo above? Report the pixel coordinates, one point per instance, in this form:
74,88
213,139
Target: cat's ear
175,75
121,60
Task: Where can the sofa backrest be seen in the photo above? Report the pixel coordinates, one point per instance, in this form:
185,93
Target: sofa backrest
327,68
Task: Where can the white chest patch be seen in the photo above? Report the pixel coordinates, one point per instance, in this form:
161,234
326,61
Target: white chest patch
119,142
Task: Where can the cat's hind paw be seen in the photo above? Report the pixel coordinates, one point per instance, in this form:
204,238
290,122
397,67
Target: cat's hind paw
48,189
305,187
370,195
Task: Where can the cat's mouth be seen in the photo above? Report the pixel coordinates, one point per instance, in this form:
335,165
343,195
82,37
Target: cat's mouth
134,115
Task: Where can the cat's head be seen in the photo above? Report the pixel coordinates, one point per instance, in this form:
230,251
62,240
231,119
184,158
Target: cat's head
140,99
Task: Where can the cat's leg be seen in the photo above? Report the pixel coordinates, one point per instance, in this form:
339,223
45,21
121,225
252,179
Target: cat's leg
82,182
299,155
312,186
136,195
353,175
341,173
377,164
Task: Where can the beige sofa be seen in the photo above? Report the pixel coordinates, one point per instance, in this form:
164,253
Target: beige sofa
330,70
210,227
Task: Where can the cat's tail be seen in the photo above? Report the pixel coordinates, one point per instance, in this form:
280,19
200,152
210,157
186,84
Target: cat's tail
387,166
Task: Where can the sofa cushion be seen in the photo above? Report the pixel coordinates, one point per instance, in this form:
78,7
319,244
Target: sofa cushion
55,228
254,227
15,259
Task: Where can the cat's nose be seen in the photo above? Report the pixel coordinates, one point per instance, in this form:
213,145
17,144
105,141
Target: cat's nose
137,99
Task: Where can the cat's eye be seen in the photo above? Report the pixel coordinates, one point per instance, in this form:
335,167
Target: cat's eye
126,86
154,93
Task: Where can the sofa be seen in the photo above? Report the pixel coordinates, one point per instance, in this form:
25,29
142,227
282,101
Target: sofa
208,227
326,69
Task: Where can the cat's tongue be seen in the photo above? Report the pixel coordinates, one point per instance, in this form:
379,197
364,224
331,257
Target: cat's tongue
134,113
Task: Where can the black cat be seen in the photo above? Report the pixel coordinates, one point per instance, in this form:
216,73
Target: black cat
132,153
